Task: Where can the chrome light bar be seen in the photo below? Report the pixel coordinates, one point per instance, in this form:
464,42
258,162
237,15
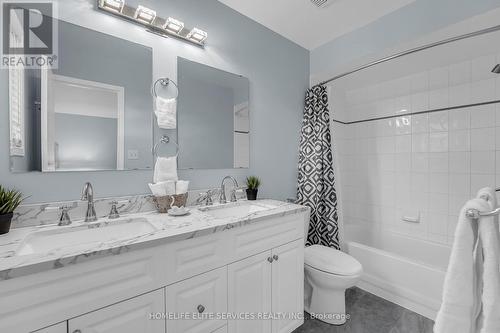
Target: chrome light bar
148,18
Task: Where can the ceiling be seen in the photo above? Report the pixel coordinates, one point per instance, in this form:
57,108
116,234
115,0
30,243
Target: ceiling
310,26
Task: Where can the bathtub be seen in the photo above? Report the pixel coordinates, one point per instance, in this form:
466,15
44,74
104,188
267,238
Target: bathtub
403,270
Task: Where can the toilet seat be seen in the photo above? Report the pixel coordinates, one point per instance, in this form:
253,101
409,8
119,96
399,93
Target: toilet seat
331,261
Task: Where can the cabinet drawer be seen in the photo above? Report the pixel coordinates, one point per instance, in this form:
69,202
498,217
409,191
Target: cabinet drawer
198,298
56,295
132,316
266,235
195,256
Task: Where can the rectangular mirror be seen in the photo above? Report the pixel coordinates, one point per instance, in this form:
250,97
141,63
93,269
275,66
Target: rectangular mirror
213,118
94,112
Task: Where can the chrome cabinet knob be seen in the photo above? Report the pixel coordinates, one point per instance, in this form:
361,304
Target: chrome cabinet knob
201,308
270,259
275,257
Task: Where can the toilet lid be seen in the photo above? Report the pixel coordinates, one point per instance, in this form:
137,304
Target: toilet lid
331,261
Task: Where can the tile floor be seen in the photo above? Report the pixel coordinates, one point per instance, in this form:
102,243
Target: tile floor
371,314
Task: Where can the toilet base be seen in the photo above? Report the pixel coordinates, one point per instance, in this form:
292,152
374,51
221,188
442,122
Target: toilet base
332,301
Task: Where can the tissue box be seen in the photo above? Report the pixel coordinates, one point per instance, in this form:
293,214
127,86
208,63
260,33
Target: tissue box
164,203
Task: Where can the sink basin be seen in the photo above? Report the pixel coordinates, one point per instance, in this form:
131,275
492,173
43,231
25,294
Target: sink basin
84,236
237,210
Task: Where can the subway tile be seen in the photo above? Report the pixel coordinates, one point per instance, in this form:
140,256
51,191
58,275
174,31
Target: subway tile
438,162
460,73
420,123
438,203
403,125
419,182
483,162
403,143
459,119
483,116
497,160
481,67
482,139
456,202
438,224
482,91
459,140
438,142
420,143
403,162
438,183
438,121
419,82
439,98
459,162
420,162
438,78
459,183
420,101
460,95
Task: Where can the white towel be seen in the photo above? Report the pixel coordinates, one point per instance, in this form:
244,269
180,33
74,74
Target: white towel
166,112
165,169
489,319
181,187
461,299
163,188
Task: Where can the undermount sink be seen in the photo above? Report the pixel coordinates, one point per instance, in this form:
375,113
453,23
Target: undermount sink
84,236
237,210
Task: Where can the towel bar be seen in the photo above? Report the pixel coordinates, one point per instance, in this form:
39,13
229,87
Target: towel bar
476,214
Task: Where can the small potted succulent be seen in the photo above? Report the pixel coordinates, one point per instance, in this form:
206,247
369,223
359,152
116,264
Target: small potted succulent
9,201
253,184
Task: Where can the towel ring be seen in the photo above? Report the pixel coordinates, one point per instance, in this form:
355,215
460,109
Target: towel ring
164,82
165,139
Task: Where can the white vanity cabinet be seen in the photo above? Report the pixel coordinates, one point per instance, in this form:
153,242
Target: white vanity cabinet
254,269
131,316
267,284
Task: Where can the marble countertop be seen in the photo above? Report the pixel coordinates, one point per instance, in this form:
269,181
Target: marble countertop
167,229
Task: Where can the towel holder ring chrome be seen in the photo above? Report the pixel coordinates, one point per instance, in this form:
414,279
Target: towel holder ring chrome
476,214
165,139
164,82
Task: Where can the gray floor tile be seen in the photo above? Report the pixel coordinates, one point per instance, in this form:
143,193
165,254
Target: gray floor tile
371,314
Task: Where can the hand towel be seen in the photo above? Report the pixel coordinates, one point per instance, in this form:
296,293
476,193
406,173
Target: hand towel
489,319
181,187
461,299
165,169
166,112
163,188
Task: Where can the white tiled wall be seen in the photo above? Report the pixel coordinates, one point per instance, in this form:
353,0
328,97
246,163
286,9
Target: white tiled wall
425,165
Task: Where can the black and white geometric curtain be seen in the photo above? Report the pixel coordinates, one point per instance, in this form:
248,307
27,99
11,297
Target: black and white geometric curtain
316,174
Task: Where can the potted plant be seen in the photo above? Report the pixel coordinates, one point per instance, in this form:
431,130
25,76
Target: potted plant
9,201
253,184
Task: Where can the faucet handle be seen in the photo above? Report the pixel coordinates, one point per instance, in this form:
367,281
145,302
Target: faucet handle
114,214
64,218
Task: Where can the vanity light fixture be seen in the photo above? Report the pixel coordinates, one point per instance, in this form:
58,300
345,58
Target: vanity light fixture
145,15
153,23
197,35
173,25
116,5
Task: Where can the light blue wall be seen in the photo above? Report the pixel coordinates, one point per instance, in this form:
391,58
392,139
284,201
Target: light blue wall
278,71
415,20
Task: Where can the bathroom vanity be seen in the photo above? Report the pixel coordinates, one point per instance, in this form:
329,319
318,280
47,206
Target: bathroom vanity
154,273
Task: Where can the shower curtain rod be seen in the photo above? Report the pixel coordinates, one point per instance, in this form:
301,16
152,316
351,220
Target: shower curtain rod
411,51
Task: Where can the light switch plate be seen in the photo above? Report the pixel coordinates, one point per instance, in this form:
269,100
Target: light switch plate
133,154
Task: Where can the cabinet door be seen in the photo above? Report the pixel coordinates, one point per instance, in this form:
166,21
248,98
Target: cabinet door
249,284
288,286
59,328
130,316
202,298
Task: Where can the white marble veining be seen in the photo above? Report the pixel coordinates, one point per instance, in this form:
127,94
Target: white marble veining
166,229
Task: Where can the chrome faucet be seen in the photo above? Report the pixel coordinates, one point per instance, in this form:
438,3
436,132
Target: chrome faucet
222,198
88,195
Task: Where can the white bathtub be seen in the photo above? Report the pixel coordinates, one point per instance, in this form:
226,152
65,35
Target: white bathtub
403,270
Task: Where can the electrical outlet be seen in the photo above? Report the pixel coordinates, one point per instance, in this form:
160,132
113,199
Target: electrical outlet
133,154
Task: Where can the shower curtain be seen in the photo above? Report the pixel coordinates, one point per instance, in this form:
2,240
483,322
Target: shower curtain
316,187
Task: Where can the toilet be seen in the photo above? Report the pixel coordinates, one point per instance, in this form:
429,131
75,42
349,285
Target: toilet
328,273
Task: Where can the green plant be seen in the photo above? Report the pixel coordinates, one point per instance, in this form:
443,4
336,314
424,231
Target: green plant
10,199
253,183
